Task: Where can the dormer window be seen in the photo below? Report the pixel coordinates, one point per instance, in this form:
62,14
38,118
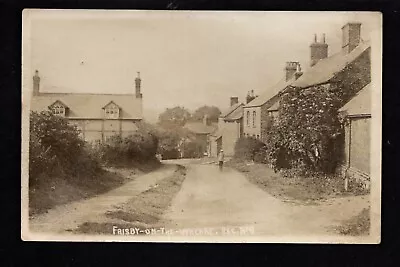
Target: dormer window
58,108
111,111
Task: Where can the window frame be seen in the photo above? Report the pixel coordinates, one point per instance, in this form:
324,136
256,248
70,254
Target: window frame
254,118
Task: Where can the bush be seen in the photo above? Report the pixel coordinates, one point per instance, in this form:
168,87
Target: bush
141,146
193,149
56,148
249,148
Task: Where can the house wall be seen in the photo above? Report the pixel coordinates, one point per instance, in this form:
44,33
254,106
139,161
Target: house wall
250,129
99,130
230,135
357,150
213,152
359,144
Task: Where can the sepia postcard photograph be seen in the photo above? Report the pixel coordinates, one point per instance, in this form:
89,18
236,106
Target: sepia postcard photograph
201,126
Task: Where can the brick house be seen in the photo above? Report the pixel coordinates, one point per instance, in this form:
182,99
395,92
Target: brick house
256,113
97,116
357,114
230,129
348,71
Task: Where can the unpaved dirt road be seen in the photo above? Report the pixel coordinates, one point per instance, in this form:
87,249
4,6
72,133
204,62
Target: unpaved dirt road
210,198
66,217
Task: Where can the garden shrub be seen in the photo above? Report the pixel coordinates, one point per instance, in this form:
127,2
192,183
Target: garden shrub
193,149
56,148
249,148
141,146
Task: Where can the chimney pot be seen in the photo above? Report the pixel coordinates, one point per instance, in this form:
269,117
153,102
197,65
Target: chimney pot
318,51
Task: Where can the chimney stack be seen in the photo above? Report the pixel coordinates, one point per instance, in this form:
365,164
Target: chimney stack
36,83
290,69
250,96
298,72
351,34
137,86
319,50
234,100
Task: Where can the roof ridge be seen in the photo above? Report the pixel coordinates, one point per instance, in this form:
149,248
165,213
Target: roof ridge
230,112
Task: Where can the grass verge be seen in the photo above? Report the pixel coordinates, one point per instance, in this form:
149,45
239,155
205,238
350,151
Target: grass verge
143,211
291,189
358,225
54,191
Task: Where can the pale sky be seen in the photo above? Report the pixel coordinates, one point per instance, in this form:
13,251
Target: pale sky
189,59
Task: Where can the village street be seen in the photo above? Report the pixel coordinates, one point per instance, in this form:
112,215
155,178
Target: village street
210,199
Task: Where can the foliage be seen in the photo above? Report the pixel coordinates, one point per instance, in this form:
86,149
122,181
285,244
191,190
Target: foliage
309,135
249,148
174,117
193,149
211,111
169,141
55,147
141,146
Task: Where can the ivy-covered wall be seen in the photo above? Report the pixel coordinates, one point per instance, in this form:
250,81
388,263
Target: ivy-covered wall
309,134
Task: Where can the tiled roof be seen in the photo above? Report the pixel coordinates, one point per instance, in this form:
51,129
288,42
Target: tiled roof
235,114
200,127
230,110
275,106
360,104
270,93
90,106
327,68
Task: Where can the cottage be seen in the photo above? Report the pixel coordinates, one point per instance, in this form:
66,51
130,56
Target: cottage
257,112
97,116
230,129
357,114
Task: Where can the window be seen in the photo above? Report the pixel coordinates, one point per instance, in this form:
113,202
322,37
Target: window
254,119
58,109
111,111
248,118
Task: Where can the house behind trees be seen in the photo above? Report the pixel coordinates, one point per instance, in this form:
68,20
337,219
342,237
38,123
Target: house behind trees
97,116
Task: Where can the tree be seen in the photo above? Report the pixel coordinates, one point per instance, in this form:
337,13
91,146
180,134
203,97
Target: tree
212,113
174,117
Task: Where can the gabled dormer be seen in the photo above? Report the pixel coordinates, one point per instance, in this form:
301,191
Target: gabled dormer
59,108
111,111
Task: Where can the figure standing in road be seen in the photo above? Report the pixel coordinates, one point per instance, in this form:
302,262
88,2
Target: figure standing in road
221,159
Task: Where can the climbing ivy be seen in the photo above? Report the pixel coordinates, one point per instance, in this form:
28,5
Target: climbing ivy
309,133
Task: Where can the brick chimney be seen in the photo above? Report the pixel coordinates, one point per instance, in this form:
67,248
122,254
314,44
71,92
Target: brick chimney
298,72
290,69
234,100
351,35
319,50
137,86
36,83
250,96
